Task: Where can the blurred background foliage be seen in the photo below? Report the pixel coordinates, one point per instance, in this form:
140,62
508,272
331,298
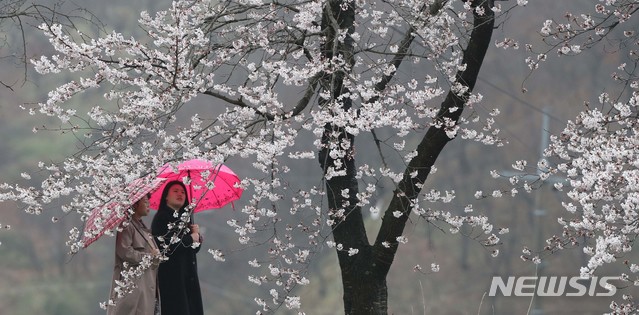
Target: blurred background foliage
39,277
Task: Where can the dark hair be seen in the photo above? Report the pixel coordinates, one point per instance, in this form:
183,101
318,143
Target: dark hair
165,193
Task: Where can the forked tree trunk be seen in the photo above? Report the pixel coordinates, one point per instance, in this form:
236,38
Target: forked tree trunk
364,273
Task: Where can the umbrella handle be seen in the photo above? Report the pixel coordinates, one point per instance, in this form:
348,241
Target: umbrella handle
188,172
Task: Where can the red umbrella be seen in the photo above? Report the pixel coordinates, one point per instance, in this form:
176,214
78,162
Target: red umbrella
110,216
208,186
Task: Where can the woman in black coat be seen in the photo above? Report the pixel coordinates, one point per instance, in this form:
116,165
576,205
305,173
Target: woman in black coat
178,280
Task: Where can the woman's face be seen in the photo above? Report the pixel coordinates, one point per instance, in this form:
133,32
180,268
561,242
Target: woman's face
176,197
141,207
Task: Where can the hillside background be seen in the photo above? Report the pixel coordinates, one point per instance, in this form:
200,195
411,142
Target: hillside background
38,277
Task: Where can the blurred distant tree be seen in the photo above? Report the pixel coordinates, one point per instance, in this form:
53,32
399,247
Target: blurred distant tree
16,19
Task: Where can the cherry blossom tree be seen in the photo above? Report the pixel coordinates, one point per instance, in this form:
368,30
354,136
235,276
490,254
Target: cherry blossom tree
597,151
268,76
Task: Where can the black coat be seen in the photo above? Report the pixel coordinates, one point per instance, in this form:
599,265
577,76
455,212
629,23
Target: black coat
177,277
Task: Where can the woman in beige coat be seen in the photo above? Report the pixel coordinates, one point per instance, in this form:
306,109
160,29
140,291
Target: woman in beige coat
136,249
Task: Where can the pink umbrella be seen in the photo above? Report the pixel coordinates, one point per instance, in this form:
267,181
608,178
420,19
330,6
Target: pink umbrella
110,216
208,186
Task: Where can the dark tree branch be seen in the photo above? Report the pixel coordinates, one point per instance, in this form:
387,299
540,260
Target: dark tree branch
433,142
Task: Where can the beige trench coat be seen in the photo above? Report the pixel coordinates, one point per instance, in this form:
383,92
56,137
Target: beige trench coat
131,245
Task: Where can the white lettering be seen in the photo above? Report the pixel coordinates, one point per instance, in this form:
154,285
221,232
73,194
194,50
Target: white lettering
610,287
498,282
593,286
549,291
574,283
520,286
552,286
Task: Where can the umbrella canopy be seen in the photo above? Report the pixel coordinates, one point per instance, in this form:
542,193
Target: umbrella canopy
108,217
208,186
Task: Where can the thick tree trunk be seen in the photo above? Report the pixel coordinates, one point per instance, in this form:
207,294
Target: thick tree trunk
365,290
364,273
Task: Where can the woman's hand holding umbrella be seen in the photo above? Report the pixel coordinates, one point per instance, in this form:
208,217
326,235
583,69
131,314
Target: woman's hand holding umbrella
195,232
